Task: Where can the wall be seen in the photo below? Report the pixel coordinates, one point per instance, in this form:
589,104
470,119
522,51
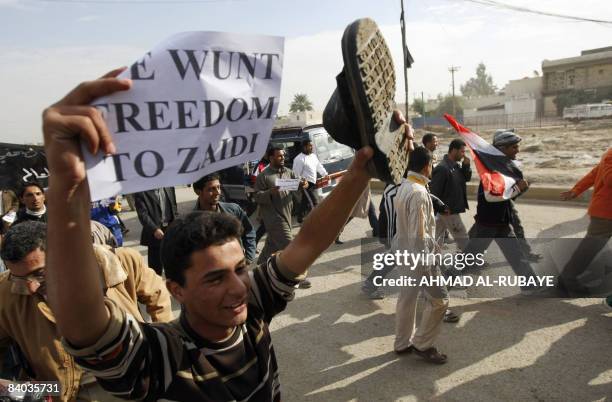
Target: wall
531,86
550,109
299,119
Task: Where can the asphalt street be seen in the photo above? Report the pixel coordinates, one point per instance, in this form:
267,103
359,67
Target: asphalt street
334,344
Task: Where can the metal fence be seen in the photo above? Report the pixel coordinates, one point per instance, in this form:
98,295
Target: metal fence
518,120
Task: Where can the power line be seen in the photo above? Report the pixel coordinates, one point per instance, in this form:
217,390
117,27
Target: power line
138,1
493,3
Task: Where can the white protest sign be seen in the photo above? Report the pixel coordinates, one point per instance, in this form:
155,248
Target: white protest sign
200,102
287,184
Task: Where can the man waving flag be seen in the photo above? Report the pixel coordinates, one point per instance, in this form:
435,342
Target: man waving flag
498,173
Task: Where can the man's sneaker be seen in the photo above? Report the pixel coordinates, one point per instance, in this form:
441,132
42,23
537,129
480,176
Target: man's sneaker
450,316
363,102
373,293
305,284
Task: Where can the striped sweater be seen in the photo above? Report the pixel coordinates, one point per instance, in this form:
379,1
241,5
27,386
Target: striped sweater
170,362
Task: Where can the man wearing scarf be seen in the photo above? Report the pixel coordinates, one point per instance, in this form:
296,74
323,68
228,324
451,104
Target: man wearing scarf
32,196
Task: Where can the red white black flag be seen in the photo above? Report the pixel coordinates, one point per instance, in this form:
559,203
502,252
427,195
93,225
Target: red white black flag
498,173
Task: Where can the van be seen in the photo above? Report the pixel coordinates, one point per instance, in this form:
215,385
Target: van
237,181
587,111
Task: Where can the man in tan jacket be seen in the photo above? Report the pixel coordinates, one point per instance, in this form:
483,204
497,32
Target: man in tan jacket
27,320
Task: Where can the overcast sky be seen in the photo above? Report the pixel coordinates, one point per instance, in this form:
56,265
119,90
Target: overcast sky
47,47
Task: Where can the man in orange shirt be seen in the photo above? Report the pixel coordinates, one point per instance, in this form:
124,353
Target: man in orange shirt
600,225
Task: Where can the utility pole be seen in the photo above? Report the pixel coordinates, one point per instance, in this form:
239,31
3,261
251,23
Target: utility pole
405,53
424,114
423,102
453,70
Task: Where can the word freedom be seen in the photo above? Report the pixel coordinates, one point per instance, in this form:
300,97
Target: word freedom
185,114
413,260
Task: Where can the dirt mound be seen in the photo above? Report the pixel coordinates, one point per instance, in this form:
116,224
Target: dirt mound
559,155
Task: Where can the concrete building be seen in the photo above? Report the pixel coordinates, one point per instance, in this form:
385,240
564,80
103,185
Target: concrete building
299,119
518,103
591,71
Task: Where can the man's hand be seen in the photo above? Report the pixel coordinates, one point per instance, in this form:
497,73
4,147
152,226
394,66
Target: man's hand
72,119
568,195
399,118
81,316
466,161
158,234
522,185
303,184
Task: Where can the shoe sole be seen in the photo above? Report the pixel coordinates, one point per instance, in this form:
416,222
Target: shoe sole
371,83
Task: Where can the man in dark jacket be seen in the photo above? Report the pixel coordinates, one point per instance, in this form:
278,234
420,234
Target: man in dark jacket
156,210
448,183
208,189
494,217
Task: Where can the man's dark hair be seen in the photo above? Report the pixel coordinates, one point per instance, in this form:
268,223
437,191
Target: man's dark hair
199,185
457,143
25,185
427,138
193,232
274,148
23,238
306,142
419,158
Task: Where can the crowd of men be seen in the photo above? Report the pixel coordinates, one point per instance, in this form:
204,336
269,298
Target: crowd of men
67,282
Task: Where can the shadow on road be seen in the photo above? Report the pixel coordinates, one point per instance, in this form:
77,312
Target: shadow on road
506,349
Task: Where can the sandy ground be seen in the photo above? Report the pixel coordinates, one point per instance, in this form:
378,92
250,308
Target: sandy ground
333,344
557,156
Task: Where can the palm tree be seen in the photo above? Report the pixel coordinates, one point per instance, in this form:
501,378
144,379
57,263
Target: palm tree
300,103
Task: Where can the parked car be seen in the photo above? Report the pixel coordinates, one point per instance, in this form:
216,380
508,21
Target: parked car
237,181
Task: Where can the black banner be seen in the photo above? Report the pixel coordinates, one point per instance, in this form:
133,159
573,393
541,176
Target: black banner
22,163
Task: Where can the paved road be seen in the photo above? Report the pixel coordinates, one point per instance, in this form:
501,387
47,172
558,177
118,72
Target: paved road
333,344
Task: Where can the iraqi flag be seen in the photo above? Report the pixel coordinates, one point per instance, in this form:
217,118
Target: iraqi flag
498,173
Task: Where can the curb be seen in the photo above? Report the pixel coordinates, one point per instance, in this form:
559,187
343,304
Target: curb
541,193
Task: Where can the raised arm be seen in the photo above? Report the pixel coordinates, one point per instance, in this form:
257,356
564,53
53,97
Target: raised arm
324,223
73,284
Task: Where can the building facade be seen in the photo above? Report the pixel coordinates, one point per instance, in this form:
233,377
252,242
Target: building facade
590,72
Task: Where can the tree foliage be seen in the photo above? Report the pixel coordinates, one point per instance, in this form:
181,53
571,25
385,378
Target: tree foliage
446,105
300,103
480,85
419,106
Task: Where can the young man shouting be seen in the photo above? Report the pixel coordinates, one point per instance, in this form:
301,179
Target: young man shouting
220,349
